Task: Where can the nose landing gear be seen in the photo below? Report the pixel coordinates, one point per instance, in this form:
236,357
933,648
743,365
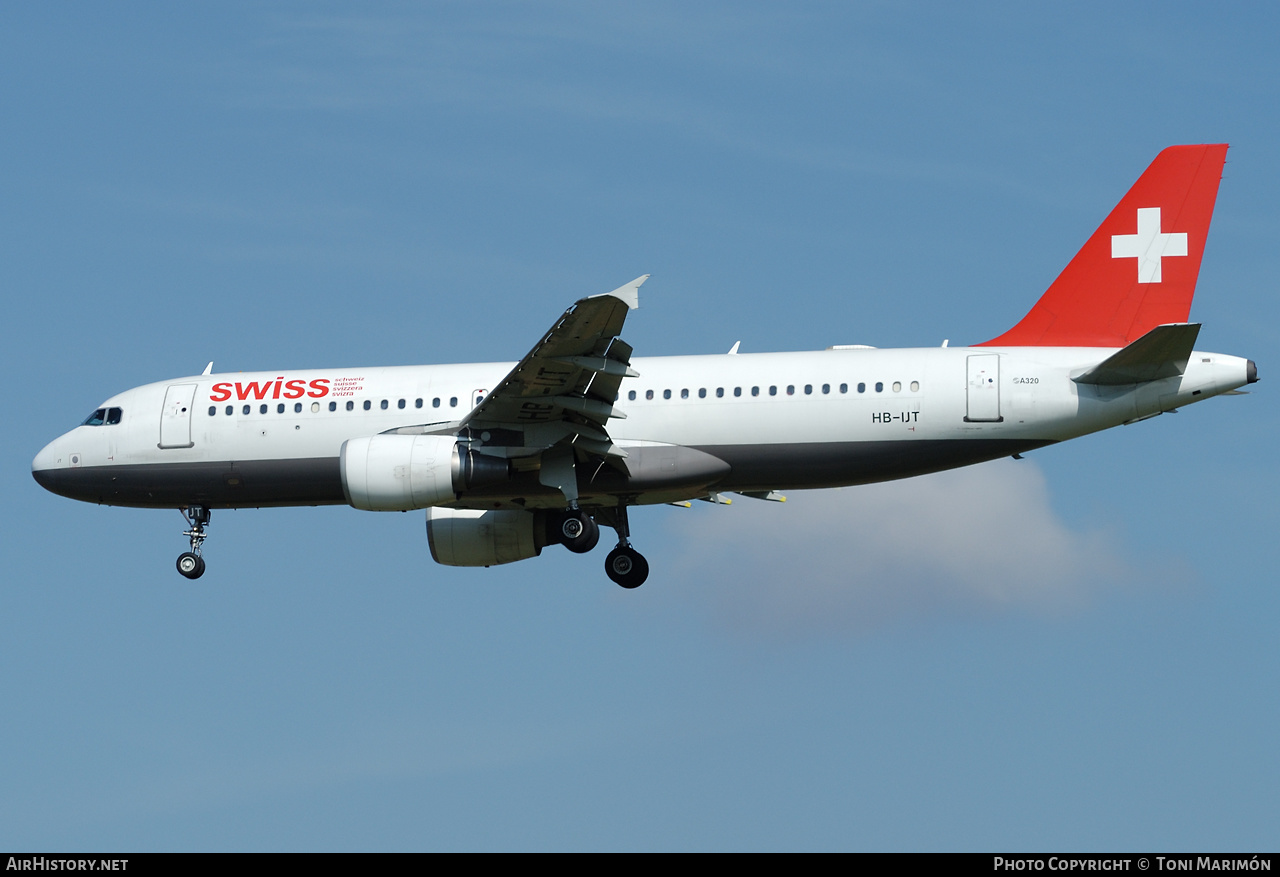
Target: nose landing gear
190,563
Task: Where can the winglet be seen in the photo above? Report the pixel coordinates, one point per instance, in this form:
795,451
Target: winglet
629,294
208,369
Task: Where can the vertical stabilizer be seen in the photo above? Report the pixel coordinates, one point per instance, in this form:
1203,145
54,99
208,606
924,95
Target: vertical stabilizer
1139,269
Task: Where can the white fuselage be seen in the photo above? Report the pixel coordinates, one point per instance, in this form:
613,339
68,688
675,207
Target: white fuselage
779,420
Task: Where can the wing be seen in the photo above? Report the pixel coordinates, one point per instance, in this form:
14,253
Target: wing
562,393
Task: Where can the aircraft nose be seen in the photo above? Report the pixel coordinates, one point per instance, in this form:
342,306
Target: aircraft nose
50,459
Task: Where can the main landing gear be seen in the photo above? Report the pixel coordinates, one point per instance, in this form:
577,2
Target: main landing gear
576,530
625,566
190,563
579,532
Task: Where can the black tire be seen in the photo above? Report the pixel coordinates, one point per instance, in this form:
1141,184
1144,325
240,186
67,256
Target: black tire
626,567
190,565
578,532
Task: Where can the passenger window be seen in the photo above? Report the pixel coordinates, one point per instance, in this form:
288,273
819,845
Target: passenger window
631,396
648,394
417,403
844,388
808,389
400,404
826,388
737,391
666,394
113,416
755,391
435,403
245,410
897,386
791,389
702,392
862,388
333,406
915,386
384,405
262,409
315,407
229,410
684,394
719,392
773,390
213,409
367,404
453,401
879,386
351,405
280,408
297,407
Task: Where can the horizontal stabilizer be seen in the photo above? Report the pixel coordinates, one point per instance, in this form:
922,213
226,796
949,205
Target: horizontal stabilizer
1161,353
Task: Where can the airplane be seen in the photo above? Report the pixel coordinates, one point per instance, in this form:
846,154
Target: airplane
507,459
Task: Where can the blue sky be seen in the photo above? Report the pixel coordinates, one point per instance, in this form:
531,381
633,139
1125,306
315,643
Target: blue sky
1076,651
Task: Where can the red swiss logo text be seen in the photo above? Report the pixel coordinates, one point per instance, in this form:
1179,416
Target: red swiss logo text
277,389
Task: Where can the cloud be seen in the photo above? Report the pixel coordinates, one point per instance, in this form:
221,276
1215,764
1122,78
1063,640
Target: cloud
978,541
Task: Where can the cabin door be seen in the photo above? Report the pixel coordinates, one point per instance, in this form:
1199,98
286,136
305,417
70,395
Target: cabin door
175,419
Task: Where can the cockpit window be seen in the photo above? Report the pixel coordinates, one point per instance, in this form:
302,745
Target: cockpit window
109,416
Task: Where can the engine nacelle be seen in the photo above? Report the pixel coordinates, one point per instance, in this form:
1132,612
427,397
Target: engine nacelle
395,473
463,537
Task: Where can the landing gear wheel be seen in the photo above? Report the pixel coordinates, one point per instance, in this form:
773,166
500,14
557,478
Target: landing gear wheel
578,532
191,565
626,567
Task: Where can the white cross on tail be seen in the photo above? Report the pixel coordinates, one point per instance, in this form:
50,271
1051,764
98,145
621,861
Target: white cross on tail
1149,245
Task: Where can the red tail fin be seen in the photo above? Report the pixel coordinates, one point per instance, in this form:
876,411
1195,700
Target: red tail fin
1139,269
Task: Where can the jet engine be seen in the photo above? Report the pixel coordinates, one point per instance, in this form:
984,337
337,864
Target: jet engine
396,473
466,537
